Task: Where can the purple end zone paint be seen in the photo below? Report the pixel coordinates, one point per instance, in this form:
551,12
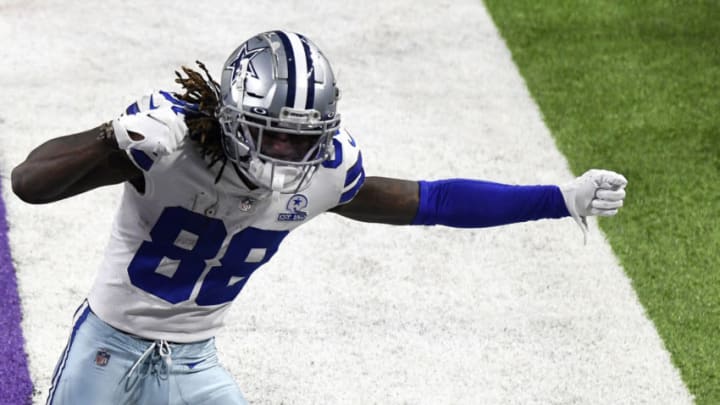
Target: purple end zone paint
15,384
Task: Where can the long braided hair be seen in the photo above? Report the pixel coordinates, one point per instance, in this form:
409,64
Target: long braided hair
203,127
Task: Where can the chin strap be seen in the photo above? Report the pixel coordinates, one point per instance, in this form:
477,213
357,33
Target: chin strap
278,182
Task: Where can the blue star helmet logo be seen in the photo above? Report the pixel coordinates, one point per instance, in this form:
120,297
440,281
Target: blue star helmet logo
244,54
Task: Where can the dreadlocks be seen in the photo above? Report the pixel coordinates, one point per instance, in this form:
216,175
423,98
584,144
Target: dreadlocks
203,127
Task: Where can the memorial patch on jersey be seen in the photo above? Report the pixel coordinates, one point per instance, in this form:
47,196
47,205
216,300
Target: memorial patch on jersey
295,207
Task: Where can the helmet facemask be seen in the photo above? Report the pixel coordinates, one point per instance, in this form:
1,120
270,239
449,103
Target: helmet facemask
245,143
259,108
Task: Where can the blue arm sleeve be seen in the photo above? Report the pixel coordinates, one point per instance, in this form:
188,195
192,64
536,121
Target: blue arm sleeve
465,203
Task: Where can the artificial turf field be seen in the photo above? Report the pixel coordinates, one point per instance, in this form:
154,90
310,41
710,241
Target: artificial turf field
634,86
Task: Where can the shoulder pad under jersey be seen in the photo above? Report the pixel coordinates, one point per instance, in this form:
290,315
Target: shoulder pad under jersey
347,159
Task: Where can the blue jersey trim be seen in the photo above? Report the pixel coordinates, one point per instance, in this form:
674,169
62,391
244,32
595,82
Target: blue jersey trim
132,109
354,171
179,106
348,195
142,159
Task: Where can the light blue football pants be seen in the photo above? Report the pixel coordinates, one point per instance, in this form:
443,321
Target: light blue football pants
104,366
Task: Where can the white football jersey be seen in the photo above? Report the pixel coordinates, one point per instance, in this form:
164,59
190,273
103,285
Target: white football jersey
180,252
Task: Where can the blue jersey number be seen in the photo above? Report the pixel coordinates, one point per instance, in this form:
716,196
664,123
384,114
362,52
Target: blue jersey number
186,240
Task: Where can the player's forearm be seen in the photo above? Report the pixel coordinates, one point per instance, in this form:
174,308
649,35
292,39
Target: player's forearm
67,166
457,203
383,200
465,203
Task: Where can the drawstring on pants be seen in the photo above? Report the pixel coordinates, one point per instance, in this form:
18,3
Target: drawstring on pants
155,360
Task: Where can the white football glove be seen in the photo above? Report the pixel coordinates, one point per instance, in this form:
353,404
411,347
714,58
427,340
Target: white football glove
596,192
157,125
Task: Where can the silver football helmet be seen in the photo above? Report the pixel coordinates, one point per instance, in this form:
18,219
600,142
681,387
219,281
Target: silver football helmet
278,110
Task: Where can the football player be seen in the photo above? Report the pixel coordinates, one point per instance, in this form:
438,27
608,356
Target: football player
214,178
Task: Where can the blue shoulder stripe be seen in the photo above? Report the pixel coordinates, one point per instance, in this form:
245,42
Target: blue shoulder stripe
179,106
354,171
132,109
142,159
348,195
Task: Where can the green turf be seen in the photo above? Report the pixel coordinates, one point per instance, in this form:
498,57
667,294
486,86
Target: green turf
634,86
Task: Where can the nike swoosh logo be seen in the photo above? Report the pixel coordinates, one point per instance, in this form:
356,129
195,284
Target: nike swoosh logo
192,365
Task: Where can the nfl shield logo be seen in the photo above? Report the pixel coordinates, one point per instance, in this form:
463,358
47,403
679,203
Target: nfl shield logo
246,205
102,358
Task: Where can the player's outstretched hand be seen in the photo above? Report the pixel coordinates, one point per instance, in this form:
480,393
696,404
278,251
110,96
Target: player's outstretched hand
155,125
596,192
